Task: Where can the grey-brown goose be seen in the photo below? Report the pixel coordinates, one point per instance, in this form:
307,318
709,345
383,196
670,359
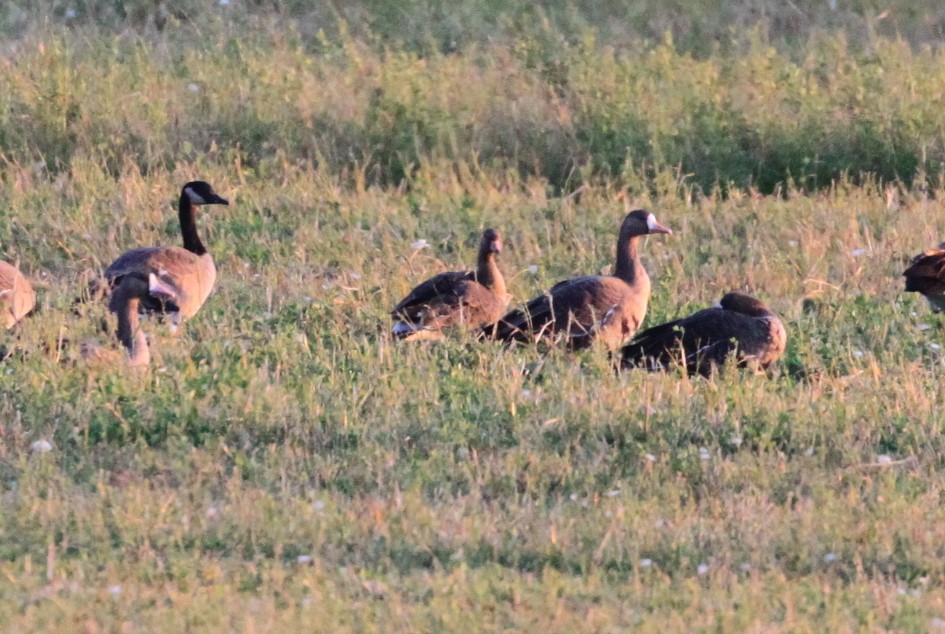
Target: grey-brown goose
926,275
470,298
17,297
125,303
189,271
738,325
605,307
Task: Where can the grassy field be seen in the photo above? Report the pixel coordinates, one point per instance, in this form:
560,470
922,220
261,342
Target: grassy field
284,465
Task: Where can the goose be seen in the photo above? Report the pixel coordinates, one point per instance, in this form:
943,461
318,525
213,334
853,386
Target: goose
17,297
605,307
125,303
738,324
470,298
189,271
926,275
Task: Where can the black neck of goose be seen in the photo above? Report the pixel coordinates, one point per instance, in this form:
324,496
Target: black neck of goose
188,226
488,273
628,260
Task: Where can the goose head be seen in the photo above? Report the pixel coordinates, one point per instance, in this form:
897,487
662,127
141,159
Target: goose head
201,193
641,222
744,304
491,241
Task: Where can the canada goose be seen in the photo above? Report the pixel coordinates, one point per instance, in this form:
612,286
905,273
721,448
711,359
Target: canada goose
609,308
926,275
17,297
189,271
470,298
739,323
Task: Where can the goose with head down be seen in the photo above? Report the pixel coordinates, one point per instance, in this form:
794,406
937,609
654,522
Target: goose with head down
605,307
188,271
17,297
739,327
454,298
926,275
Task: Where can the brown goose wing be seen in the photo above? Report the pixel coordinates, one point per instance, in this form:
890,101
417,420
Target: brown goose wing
145,260
443,290
926,273
574,305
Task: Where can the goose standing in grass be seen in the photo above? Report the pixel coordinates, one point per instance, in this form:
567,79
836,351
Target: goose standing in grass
469,298
739,325
926,275
188,272
605,307
17,297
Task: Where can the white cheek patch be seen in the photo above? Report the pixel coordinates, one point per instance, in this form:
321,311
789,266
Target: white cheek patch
194,197
651,223
717,305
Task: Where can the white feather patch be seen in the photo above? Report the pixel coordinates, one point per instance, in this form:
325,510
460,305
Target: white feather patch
651,223
194,197
160,288
402,328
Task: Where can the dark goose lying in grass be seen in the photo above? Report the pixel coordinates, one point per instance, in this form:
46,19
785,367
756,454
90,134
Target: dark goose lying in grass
605,307
17,297
470,298
188,271
926,275
739,326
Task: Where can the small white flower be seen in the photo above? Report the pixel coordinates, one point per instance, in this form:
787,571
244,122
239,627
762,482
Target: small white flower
42,446
792,243
318,505
650,457
71,13
702,569
829,558
526,393
735,440
533,269
809,451
858,252
935,346
613,493
704,454
193,87
416,245
304,559
115,589
354,276
883,459
745,567
924,326
858,353
646,563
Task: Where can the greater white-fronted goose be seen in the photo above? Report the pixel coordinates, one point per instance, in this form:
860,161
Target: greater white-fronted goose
926,275
189,271
609,308
17,297
469,298
739,325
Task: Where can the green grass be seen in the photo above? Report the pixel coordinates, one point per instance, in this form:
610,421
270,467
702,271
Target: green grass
285,465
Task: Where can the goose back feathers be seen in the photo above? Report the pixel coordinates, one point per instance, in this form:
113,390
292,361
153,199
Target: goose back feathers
609,308
189,271
17,297
739,324
470,298
926,275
